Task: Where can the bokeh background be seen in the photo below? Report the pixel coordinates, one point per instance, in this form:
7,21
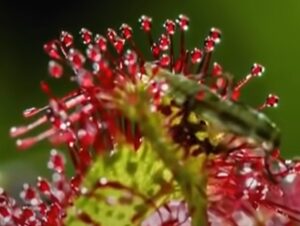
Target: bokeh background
267,32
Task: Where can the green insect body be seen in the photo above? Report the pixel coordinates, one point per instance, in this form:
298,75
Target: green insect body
226,115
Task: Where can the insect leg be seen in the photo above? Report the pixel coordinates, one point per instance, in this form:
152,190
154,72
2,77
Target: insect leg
268,168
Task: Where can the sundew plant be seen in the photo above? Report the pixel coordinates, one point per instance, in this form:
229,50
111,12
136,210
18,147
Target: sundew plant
153,141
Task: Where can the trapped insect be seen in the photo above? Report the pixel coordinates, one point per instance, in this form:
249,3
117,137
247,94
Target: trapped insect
226,115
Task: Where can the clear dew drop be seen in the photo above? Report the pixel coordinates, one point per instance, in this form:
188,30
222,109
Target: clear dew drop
43,185
155,50
56,161
290,178
196,55
183,22
164,42
111,34
170,27
85,78
101,42
86,36
76,58
217,70
165,60
93,53
119,44
75,183
130,58
272,100
126,31
209,45
146,23
66,39
51,49
55,69
257,70
215,35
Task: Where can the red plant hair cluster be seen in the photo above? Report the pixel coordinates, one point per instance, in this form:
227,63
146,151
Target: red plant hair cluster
244,187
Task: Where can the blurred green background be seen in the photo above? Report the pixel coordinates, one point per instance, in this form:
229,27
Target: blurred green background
253,31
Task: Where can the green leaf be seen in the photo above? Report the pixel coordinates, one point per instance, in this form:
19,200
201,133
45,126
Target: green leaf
145,183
